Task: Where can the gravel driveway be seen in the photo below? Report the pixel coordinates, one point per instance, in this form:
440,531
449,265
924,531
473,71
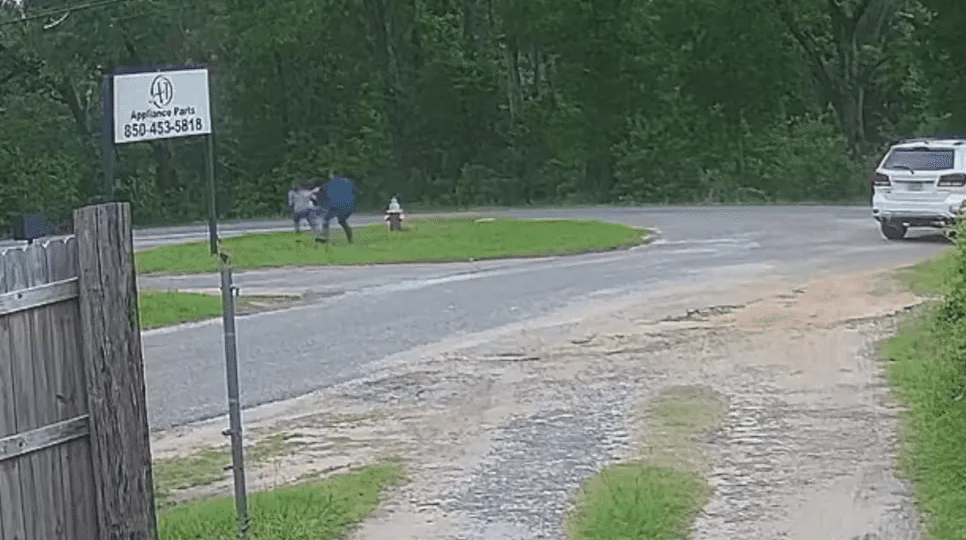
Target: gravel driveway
500,428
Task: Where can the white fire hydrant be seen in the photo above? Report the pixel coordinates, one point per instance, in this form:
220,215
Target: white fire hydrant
394,215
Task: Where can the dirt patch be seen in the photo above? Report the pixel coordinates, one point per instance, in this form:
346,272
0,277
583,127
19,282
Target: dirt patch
257,304
499,431
205,471
246,304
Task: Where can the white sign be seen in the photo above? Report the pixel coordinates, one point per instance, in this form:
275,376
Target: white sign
161,105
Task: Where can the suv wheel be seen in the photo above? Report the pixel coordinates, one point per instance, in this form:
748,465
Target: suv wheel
893,231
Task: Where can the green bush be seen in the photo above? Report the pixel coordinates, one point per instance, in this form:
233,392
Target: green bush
954,305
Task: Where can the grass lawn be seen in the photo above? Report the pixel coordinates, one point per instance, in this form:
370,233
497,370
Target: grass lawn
657,496
320,510
638,500
930,277
163,308
424,240
926,367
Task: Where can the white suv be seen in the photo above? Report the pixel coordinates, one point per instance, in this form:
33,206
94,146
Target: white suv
920,183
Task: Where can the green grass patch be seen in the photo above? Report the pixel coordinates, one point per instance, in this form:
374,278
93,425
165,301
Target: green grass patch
929,277
424,240
638,500
322,510
163,308
657,496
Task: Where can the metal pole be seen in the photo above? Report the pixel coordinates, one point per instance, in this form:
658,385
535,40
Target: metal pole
108,149
234,402
212,194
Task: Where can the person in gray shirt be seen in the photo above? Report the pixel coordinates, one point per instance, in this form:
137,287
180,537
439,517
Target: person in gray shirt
302,205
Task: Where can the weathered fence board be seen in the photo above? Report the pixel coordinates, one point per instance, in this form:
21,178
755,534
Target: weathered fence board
11,497
34,371
74,446
41,295
78,483
111,337
50,435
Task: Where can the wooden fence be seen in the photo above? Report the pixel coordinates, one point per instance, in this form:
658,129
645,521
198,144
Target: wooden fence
75,460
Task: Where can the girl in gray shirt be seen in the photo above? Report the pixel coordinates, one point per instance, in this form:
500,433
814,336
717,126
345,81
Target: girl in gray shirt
302,206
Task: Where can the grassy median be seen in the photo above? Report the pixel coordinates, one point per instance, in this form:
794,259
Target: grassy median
319,510
424,240
926,367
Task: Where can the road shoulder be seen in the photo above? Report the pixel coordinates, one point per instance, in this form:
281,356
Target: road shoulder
501,430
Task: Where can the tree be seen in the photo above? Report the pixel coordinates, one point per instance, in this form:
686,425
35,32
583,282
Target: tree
847,45
465,102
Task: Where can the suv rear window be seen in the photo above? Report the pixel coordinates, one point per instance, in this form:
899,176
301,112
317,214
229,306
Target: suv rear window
920,159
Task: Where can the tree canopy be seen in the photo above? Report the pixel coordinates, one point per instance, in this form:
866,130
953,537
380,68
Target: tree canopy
472,102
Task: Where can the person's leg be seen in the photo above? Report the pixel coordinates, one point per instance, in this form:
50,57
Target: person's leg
344,223
297,220
313,218
343,211
329,214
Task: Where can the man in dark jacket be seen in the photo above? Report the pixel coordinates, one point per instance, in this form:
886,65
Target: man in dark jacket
338,197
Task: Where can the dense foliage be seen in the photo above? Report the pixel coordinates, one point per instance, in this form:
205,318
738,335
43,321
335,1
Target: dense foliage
464,102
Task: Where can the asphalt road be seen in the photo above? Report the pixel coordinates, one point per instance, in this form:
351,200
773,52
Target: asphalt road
360,315
148,238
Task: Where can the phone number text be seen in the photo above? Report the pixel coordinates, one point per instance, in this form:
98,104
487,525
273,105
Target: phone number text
162,127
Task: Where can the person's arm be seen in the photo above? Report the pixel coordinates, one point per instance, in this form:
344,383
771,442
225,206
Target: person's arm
320,196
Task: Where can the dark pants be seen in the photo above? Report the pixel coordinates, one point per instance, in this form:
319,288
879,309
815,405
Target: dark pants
311,215
341,213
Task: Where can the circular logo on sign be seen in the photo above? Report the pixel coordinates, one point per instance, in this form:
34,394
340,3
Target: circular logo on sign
162,91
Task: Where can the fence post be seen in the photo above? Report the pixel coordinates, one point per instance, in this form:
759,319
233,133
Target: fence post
114,371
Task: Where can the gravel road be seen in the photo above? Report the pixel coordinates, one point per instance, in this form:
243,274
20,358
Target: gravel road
499,428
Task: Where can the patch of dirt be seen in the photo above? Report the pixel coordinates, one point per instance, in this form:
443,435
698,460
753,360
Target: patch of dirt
257,304
804,449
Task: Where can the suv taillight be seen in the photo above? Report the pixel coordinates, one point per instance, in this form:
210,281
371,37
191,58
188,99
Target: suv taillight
952,180
880,180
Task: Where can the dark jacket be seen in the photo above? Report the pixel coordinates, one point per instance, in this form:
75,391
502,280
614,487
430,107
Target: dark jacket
339,191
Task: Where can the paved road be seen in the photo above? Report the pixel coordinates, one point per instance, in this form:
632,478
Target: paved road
361,315
158,236
148,238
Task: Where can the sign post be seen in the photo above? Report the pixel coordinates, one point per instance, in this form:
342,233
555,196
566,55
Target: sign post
108,147
212,194
169,103
153,105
